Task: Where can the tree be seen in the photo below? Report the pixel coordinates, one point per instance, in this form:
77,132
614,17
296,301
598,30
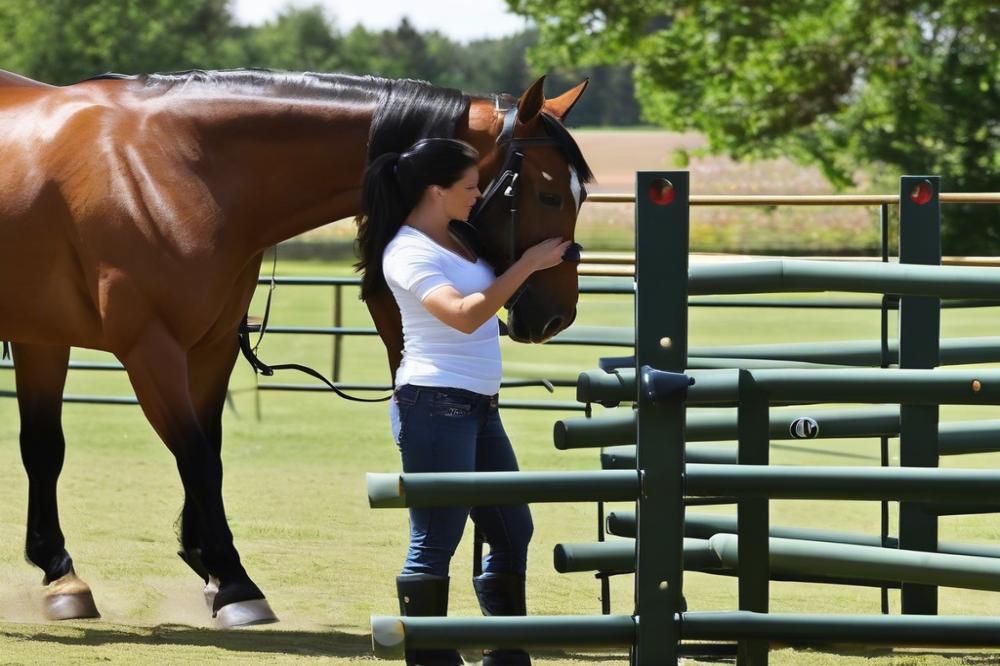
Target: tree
63,41
840,83
296,40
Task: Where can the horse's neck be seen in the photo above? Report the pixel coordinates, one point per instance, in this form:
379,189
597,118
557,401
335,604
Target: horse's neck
288,166
281,167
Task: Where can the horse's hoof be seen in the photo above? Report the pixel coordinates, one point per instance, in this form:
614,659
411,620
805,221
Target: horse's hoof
211,589
245,614
69,598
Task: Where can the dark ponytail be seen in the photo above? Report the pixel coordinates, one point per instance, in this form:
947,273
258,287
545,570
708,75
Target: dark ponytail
393,185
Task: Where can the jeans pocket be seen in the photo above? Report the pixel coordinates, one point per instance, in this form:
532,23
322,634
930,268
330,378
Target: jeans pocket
452,405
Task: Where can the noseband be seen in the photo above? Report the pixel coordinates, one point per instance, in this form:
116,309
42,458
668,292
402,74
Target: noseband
507,183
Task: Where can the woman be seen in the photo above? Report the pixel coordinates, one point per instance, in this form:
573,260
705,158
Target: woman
444,410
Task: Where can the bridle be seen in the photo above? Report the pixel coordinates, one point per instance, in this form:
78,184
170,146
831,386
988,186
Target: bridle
507,183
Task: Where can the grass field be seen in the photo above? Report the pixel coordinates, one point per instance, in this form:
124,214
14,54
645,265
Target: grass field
297,505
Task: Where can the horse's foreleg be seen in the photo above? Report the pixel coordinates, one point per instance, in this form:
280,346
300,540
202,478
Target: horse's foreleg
209,366
41,376
159,372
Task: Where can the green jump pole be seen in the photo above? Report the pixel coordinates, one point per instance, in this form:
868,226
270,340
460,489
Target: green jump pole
796,556
789,275
704,425
842,483
623,457
900,630
953,351
619,555
849,385
706,525
386,491
800,560
393,636
956,438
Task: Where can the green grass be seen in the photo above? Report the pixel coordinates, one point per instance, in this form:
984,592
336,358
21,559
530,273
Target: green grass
297,505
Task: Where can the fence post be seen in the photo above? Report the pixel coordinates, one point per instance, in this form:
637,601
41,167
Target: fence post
919,344
338,321
753,521
661,223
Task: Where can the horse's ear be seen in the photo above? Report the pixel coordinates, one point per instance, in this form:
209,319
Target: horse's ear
562,105
531,102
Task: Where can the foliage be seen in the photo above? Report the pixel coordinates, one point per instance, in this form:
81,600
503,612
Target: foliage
61,42
911,86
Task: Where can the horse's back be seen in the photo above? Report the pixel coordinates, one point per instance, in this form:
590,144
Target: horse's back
10,79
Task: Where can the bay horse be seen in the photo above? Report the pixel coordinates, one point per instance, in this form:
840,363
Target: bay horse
133,217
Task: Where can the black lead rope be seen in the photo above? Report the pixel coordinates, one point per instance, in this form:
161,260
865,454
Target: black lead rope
6,350
259,367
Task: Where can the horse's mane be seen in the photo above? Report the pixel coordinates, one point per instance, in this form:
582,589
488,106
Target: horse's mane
406,110
409,110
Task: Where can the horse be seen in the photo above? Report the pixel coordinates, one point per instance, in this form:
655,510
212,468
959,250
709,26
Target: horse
135,210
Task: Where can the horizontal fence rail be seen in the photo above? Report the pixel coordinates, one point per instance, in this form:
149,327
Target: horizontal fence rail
393,636
850,385
802,199
704,526
386,491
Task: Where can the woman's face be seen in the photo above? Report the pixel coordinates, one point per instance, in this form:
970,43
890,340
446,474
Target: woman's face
459,199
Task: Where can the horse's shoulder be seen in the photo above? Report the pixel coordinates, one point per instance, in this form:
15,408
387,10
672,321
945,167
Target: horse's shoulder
10,79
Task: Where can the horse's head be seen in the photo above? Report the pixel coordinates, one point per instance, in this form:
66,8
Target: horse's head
533,186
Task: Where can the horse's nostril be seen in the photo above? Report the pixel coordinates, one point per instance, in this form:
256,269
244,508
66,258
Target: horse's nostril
553,327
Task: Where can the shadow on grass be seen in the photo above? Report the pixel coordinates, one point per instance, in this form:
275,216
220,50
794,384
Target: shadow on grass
871,652
331,643
560,655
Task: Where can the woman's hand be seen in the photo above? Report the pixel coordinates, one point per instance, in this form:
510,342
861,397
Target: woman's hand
468,313
546,254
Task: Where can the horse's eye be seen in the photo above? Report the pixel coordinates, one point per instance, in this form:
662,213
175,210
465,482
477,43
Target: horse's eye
550,199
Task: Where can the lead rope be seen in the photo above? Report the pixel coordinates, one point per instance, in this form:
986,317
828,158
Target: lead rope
259,367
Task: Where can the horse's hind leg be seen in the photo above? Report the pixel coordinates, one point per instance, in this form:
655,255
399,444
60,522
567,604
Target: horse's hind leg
158,369
41,376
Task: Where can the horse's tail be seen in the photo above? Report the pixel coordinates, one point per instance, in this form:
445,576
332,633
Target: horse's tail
6,350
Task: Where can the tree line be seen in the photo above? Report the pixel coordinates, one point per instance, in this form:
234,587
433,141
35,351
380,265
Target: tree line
64,41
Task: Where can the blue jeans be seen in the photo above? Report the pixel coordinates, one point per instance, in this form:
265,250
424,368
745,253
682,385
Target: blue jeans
454,430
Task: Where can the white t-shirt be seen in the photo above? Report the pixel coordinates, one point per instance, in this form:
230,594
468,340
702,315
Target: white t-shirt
435,354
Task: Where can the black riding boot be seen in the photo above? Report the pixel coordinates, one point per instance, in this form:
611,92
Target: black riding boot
422,595
502,594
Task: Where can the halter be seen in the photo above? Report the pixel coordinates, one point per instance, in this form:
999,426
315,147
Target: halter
508,182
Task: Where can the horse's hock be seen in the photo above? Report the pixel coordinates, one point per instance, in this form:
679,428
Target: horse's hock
654,463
